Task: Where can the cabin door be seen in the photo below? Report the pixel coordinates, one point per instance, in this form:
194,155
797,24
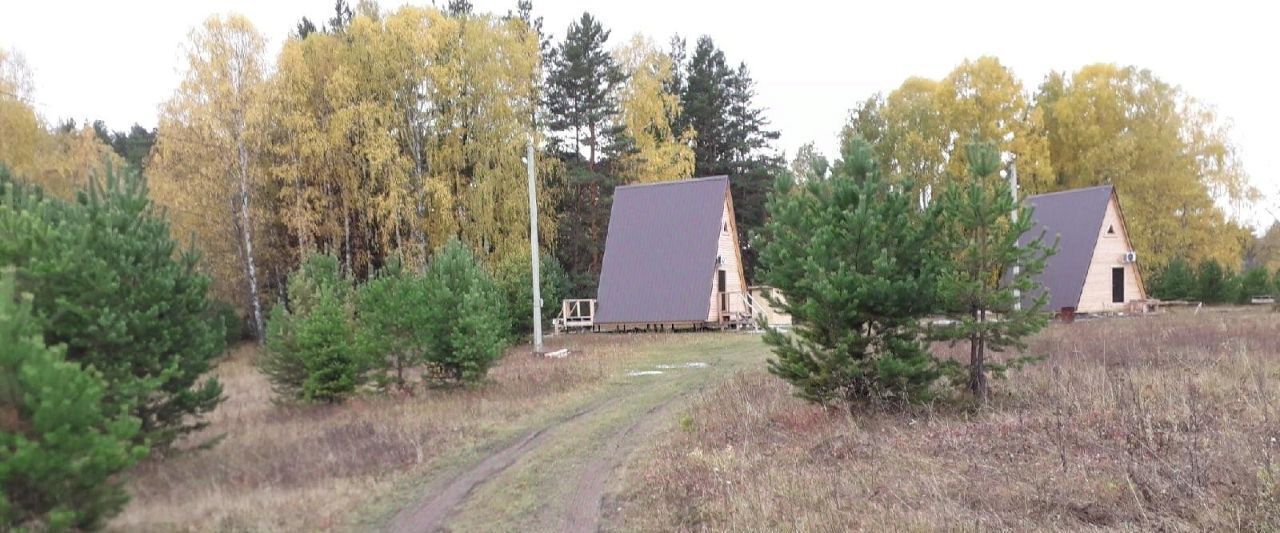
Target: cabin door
1117,285
724,298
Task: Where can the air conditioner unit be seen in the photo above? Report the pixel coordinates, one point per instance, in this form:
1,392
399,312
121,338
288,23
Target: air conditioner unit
1131,257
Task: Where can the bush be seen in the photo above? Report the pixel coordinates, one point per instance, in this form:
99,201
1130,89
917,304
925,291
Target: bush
391,310
466,324
61,445
311,353
514,278
851,254
110,284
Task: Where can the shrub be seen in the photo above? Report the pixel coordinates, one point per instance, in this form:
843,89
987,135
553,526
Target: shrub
851,254
61,445
110,284
390,310
466,324
515,279
311,353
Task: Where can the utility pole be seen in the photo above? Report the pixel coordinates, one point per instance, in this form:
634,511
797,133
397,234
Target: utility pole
533,252
1013,189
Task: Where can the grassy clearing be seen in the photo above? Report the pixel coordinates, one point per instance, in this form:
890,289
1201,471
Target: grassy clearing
311,467
308,467
1166,422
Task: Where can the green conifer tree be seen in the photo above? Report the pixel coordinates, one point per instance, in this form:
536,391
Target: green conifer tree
390,309
581,86
1212,285
311,350
852,256
1176,282
467,326
61,447
514,278
112,286
1254,282
988,282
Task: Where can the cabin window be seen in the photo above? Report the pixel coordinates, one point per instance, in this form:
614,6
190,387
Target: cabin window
724,228
1111,230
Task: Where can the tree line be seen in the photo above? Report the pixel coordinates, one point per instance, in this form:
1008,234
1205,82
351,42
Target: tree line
388,133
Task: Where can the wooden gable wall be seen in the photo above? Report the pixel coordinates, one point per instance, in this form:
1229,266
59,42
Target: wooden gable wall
730,254
1113,242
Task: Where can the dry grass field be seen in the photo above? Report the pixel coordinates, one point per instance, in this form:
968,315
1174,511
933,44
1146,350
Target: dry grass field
1150,423
554,427
301,468
1166,422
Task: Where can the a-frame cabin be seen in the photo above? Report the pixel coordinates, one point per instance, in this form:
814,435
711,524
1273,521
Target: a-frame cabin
1095,269
672,259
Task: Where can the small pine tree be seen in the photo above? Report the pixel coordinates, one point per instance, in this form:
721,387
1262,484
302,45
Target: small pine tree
1212,285
311,351
325,342
1254,282
61,446
390,311
112,286
467,326
514,278
852,256
986,270
1176,282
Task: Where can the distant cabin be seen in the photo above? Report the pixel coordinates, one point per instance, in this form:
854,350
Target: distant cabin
1095,269
672,258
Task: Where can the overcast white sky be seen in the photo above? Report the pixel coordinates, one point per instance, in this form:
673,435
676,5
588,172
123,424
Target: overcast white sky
812,60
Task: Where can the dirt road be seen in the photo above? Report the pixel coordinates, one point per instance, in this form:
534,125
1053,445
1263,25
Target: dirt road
554,477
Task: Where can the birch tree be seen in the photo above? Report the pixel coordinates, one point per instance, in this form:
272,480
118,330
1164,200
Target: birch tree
210,131
654,149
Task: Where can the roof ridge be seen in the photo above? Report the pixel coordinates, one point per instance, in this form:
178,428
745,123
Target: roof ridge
674,182
1081,189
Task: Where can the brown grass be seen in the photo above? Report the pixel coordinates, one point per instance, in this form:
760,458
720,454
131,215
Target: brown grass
1165,422
298,468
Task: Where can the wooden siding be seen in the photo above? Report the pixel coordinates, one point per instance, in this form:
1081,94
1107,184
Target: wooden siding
731,262
773,315
1095,297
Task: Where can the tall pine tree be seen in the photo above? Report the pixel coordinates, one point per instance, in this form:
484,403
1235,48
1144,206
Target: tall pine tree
581,88
732,132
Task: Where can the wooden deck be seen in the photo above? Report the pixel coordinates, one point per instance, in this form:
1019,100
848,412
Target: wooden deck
739,311
579,314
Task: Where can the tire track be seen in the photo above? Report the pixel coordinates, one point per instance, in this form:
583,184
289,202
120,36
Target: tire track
434,509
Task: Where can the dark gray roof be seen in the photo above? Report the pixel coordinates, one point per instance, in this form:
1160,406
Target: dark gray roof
660,253
1075,218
